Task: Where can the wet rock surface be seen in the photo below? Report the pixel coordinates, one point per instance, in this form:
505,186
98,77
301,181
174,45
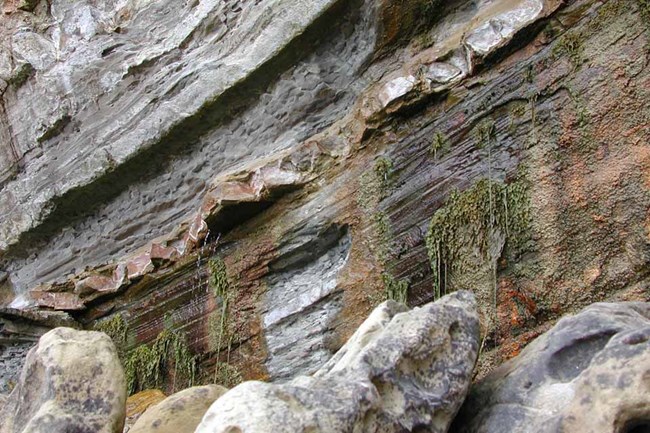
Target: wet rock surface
589,373
71,381
401,371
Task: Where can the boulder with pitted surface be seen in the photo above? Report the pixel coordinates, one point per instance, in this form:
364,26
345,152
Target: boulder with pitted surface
402,370
590,374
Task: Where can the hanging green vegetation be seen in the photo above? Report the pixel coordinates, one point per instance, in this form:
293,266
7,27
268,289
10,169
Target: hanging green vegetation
397,290
116,328
439,145
221,289
219,326
469,219
375,183
218,277
148,366
486,133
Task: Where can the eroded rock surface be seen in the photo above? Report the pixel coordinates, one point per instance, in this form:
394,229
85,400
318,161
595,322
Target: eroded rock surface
510,132
588,374
72,381
401,371
180,412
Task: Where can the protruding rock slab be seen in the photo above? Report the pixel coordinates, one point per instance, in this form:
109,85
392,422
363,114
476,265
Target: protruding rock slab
401,371
180,412
587,374
72,381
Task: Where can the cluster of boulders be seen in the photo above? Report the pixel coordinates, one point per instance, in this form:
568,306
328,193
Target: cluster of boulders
402,371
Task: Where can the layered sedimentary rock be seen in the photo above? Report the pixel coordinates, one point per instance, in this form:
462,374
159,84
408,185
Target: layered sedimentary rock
19,332
589,373
248,180
400,371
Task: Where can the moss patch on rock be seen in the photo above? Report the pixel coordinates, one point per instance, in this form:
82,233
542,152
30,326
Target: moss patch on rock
396,290
227,375
148,366
220,329
116,328
570,46
374,185
469,220
439,145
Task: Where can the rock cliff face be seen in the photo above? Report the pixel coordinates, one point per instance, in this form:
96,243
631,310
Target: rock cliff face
227,188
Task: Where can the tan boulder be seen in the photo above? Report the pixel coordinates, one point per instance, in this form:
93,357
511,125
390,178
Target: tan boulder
72,381
138,403
179,413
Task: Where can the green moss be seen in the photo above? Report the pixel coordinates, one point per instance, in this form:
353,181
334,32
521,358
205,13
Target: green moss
397,290
383,170
218,280
439,145
607,13
148,366
375,183
571,47
116,328
220,327
644,10
21,76
517,112
529,74
382,236
469,220
227,375
485,133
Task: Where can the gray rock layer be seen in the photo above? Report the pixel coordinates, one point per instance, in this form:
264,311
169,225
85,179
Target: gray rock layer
72,381
120,78
401,371
590,373
12,357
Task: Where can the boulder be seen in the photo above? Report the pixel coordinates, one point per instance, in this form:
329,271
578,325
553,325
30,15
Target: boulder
401,371
180,412
590,373
138,403
72,381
